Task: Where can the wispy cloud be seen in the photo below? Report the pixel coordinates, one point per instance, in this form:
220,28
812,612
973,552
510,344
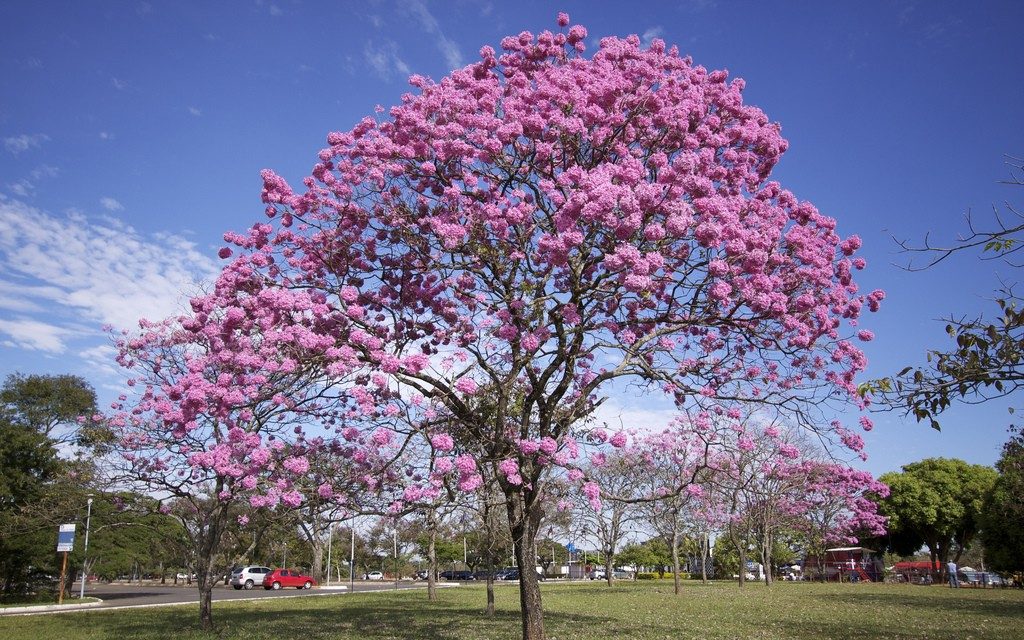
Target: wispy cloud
384,60
447,47
84,272
26,187
650,34
195,111
110,204
25,333
24,142
119,84
271,7
106,135
22,188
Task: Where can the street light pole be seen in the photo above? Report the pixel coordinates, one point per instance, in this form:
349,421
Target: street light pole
85,554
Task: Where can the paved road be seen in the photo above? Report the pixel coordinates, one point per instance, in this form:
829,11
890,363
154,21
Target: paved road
121,595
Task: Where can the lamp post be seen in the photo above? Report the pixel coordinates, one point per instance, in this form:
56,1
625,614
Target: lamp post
85,553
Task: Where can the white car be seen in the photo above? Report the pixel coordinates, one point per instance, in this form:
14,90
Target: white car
248,577
374,575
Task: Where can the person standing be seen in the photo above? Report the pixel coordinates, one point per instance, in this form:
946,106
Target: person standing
951,568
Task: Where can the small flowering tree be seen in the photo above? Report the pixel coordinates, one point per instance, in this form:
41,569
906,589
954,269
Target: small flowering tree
217,425
838,505
538,225
609,521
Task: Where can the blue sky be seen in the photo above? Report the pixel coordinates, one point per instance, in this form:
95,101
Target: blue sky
134,132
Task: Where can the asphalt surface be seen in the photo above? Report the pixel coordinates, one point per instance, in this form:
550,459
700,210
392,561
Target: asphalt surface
125,595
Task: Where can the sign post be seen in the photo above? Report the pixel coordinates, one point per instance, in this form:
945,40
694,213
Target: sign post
65,543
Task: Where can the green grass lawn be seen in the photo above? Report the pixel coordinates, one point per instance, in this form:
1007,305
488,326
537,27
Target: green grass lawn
644,610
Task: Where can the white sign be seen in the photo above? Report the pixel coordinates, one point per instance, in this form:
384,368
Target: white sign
66,538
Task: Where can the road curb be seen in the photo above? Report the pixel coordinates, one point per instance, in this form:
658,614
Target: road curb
49,608
55,609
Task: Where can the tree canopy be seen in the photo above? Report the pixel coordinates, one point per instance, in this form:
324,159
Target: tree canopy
538,224
936,502
1002,521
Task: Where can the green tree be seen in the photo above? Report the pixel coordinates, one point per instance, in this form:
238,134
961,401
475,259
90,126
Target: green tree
936,503
39,489
47,404
1002,520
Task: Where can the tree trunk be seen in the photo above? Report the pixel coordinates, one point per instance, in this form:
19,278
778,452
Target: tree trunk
317,548
675,555
529,585
705,542
432,562
741,551
524,516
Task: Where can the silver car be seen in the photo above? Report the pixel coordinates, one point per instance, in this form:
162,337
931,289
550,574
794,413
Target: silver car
248,577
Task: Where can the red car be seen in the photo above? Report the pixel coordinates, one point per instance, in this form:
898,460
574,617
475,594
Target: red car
287,578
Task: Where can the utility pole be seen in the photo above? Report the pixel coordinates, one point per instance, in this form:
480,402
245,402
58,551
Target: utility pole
352,560
395,533
85,554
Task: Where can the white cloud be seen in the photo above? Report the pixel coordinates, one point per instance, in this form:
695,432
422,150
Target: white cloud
384,60
106,135
101,358
619,416
110,204
22,188
447,47
120,85
44,171
24,142
651,33
195,111
33,335
84,272
26,187
272,7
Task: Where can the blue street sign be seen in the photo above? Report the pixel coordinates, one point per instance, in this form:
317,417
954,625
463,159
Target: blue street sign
571,547
66,537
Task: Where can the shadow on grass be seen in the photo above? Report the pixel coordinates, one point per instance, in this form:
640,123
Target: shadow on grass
936,602
343,617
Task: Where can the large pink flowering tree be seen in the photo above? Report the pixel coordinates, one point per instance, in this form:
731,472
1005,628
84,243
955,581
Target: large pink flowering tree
536,226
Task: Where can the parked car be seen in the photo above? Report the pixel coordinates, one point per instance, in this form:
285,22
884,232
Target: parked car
507,574
373,575
248,577
279,578
597,574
